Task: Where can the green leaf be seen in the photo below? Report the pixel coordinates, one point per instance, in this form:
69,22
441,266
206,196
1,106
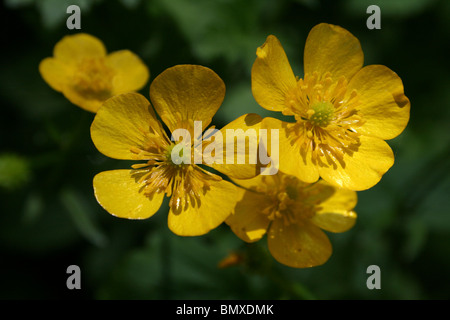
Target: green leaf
82,217
219,29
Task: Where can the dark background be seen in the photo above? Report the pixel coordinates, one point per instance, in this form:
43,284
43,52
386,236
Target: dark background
49,218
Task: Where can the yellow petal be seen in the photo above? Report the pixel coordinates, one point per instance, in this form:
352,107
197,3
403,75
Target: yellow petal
55,73
290,159
262,183
339,199
73,48
248,222
216,205
364,168
186,93
252,183
131,74
330,48
298,246
89,104
335,213
383,104
238,156
118,193
123,123
337,221
272,76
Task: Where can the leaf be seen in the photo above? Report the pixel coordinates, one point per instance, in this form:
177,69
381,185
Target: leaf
81,215
219,29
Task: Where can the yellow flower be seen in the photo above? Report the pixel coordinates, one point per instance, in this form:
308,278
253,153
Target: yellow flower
82,70
126,127
292,213
343,111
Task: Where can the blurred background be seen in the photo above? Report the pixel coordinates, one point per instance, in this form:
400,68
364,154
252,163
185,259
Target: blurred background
49,218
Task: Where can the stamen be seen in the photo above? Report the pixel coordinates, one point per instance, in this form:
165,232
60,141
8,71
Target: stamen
290,198
327,118
185,183
93,79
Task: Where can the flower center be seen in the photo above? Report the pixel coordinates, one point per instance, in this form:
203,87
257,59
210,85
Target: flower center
163,172
327,118
290,201
175,155
321,113
93,79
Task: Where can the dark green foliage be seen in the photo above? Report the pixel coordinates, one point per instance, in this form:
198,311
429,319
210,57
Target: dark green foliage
50,219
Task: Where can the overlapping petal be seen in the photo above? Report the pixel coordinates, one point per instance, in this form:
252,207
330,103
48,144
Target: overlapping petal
252,183
363,168
272,75
186,93
131,74
335,214
119,193
216,205
237,154
291,161
247,221
125,121
91,104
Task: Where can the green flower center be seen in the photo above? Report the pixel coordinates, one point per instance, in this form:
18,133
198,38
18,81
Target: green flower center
321,113
177,157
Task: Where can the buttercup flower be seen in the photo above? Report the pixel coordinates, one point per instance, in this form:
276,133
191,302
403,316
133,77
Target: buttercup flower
82,70
292,213
343,111
126,127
